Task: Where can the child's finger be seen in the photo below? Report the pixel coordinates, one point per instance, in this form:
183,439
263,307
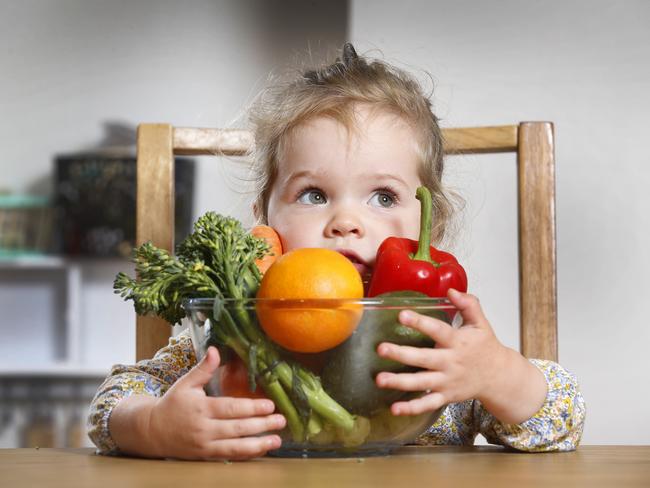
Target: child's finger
200,374
237,408
229,429
243,448
439,331
419,381
421,357
427,403
468,306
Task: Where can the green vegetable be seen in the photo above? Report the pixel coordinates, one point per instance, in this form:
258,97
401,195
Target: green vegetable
349,375
218,261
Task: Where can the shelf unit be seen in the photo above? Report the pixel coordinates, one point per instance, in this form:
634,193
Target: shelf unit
45,403
70,365
62,370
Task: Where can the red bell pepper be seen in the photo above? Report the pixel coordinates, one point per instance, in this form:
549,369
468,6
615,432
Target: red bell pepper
405,264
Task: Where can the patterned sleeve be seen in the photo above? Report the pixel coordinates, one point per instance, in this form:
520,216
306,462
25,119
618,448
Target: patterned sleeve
557,426
148,377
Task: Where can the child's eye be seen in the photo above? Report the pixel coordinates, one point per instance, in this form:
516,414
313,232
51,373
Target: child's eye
312,196
384,197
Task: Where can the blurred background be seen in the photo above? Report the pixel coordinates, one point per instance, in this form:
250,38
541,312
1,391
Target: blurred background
79,76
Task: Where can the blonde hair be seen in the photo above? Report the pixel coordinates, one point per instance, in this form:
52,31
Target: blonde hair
334,91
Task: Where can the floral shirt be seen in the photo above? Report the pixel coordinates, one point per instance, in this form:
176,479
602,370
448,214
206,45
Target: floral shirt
557,426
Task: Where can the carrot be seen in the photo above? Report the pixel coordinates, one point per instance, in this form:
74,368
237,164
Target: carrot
272,239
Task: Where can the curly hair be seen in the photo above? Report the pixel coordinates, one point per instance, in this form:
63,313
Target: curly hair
334,91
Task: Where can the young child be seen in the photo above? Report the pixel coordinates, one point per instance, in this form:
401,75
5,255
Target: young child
340,152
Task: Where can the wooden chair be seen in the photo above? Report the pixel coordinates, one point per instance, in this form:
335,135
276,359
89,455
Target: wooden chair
532,142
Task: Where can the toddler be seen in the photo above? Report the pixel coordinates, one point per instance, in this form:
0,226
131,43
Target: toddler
340,152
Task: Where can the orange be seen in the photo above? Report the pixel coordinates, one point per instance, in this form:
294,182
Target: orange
311,274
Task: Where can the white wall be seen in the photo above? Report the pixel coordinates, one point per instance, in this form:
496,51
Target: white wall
68,67
584,66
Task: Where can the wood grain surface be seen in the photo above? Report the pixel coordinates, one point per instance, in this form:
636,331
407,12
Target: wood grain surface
197,141
480,466
237,142
480,140
537,266
154,218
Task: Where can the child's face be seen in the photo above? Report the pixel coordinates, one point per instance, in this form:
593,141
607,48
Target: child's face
347,193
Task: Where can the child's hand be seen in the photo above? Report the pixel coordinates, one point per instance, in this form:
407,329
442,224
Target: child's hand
467,363
186,423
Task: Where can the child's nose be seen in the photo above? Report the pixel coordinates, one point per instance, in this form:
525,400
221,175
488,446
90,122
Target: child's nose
342,225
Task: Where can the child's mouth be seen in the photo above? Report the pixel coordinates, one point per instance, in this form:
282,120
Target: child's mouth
363,269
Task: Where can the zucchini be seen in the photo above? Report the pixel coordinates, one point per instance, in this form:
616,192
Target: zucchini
349,375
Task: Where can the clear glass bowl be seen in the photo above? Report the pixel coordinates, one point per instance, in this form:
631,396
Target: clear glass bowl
346,372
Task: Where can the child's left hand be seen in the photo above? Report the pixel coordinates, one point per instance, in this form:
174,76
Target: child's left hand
466,363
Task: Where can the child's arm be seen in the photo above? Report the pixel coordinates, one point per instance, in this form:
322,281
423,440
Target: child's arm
470,363
151,377
556,426
136,412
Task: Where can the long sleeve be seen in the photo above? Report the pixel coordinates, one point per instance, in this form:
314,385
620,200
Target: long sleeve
557,426
148,377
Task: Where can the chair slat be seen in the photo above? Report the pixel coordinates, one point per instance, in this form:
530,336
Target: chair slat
236,142
227,142
537,244
154,217
478,140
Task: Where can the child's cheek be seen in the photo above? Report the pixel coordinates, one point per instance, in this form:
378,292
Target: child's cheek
297,232
290,239
290,244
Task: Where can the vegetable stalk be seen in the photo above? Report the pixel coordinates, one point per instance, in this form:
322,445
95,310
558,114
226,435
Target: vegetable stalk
217,260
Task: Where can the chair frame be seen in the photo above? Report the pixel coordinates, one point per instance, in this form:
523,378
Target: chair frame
533,143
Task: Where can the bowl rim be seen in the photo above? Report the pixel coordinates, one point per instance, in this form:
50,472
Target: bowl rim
441,303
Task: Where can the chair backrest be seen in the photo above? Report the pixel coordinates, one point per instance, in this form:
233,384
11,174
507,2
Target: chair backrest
533,143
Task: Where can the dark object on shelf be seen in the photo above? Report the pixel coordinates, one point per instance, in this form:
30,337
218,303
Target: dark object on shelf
95,203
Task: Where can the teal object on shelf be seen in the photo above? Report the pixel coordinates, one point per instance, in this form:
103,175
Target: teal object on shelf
23,201
25,226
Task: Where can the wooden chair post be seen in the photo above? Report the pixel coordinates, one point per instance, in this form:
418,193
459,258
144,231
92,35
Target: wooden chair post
154,217
537,244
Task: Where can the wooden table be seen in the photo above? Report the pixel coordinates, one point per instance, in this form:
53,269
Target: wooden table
481,466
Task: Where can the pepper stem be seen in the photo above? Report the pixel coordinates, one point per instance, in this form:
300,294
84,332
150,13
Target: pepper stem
424,241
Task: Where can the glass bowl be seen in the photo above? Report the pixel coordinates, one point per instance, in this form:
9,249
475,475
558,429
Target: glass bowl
340,412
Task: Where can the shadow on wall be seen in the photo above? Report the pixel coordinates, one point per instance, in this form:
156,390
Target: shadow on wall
320,27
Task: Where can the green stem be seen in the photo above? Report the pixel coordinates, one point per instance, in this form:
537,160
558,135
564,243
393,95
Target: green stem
314,425
251,280
244,327
252,333
424,241
233,330
317,398
275,391
256,272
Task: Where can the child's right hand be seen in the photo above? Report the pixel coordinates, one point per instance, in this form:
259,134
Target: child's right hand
185,423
